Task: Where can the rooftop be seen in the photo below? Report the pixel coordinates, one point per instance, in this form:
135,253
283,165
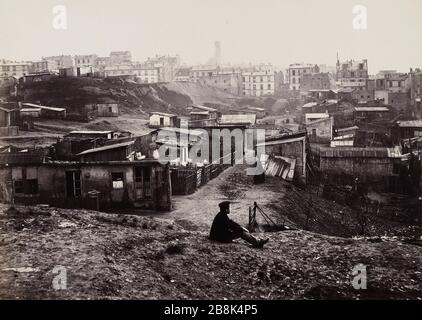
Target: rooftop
309,105
105,148
182,130
238,118
164,114
32,105
410,124
372,109
204,108
352,152
89,132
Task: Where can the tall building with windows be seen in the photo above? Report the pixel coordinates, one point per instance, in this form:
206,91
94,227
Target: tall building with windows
14,68
352,74
295,72
59,62
258,81
86,60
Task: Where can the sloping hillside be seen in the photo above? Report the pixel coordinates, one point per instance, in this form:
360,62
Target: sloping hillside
113,257
133,98
136,99
201,94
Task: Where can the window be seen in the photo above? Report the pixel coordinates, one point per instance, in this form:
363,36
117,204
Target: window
262,87
117,178
269,86
18,186
161,121
293,73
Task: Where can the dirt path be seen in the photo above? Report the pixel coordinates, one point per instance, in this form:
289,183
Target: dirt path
196,211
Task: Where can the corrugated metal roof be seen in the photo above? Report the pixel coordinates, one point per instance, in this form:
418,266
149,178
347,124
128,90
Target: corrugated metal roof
279,167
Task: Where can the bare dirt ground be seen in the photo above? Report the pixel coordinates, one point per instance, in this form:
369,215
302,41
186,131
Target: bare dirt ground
123,256
285,203
132,257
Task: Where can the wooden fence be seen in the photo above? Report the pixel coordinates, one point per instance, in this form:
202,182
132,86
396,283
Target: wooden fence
185,180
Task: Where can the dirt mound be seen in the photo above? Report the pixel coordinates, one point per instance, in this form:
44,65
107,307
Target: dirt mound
109,256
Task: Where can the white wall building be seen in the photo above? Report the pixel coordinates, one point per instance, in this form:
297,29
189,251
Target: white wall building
258,82
14,68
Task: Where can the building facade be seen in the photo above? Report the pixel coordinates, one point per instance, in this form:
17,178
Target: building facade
296,71
14,68
315,81
352,74
258,82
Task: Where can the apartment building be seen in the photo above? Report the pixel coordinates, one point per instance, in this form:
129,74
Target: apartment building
14,68
352,74
258,82
296,71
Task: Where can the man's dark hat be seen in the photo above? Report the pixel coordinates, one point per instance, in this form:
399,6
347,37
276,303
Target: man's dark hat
224,204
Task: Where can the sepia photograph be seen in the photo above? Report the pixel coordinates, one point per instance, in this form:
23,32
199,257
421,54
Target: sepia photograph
225,152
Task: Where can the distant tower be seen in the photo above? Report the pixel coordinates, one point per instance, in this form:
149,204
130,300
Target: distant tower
217,53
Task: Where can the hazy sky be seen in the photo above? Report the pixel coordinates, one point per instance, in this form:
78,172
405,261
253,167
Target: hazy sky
277,31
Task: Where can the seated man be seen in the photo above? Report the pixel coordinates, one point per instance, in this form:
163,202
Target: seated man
225,230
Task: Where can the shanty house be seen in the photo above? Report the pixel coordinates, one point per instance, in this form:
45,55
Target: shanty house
100,185
379,166
321,130
371,113
48,112
409,129
9,119
161,119
212,112
104,109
